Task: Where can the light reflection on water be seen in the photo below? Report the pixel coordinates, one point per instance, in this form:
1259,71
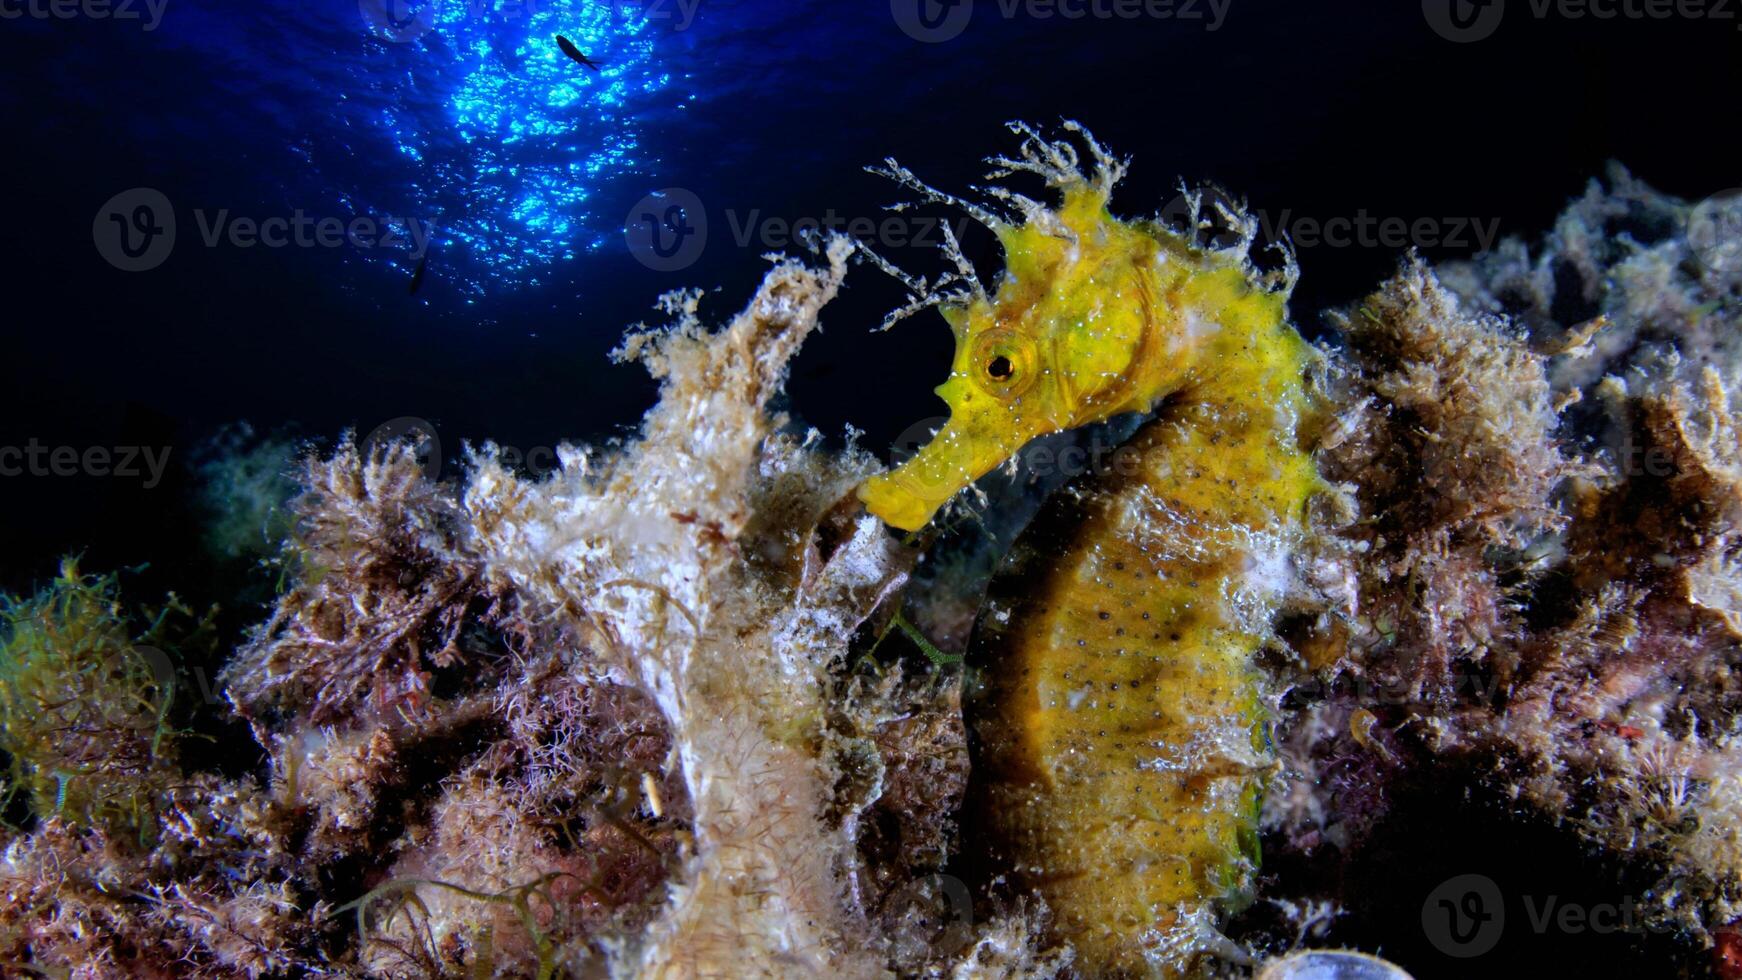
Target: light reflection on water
510,153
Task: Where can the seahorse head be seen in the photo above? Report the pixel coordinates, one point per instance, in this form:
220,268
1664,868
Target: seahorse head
1068,338
1093,316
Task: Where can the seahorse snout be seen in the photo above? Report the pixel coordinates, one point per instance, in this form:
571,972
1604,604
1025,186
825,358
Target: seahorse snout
959,454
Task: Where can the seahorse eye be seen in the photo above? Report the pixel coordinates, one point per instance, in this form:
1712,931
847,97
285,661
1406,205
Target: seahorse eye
1005,362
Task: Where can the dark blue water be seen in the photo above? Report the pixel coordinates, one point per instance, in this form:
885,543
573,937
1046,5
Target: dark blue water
522,168
460,139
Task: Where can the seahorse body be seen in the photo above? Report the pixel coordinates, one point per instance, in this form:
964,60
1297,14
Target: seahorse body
1120,741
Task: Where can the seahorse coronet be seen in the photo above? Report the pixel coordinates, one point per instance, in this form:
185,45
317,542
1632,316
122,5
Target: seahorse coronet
1119,732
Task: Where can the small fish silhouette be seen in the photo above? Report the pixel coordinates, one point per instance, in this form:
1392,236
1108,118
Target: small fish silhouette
417,276
569,49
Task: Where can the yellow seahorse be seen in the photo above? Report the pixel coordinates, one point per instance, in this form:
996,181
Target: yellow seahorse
1120,743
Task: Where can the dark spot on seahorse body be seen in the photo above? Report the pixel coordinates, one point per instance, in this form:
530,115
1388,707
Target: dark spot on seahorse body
1104,614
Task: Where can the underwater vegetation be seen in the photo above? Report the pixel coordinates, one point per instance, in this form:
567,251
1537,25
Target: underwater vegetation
497,209
246,479
653,715
1542,446
83,710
